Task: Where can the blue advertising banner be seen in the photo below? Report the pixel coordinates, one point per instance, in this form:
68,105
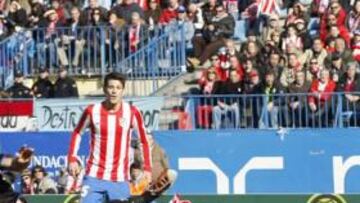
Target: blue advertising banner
234,162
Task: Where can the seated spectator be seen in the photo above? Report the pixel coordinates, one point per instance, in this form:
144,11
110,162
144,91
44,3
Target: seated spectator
189,29
27,183
273,25
65,86
292,38
125,10
303,33
338,11
270,89
350,85
318,7
170,13
353,20
288,74
337,68
152,15
231,49
43,87
43,184
319,100
72,40
316,51
87,13
18,89
297,12
75,180
252,52
215,34
332,29
235,65
17,16
228,107
273,65
297,99
209,11
313,70
340,49
355,46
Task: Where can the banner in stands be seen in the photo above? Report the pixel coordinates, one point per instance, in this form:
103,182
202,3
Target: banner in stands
17,124
234,162
63,115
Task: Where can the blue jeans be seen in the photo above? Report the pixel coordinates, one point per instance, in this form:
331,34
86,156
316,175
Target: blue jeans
98,191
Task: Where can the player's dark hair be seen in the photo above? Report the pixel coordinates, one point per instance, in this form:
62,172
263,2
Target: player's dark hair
115,76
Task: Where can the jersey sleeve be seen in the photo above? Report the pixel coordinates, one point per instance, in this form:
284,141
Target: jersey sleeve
76,135
140,128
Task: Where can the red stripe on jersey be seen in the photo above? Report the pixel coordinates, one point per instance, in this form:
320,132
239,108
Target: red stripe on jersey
143,138
92,144
265,6
118,138
103,141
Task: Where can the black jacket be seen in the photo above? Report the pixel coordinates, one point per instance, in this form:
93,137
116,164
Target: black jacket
19,90
43,88
124,11
65,88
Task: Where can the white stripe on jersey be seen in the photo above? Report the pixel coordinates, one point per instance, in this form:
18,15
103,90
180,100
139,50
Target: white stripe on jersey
110,146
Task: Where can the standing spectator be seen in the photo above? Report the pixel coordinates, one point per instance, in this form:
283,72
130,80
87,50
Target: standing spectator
61,12
350,85
196,16
17,16
317,51
27,182
43,184
319,99
37,11
228,107
137,35
353,20
87,14
297,99
216,33
72,40
209,11
19,90
253,87
65,86
125,10
43,88
152,15
189,28
170,13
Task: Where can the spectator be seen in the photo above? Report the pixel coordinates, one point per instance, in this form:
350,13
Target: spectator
72,40
297,99
195,15
273,25
215,35
235,65
332,29
292,38
75,179
61,12
350,85
137,35
297,12
65,86
43,88
274,66
37,11
271,89
43,184
303,33
87,14
319,100
27,182
353,20
252,52
340,49
313,70
355,46
317,51
19,90
62,180
152,15
17,16
170,13
253,87
209,11
336,9
125,10
288,74
337,68
138,182
228,107
4,32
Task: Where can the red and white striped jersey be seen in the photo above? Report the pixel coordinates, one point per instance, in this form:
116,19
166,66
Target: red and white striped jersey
267,7
110,141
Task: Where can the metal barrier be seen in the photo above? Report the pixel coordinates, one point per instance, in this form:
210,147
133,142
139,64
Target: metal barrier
158,53
261,111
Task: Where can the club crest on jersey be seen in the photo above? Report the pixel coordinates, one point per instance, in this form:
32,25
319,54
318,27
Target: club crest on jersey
122,122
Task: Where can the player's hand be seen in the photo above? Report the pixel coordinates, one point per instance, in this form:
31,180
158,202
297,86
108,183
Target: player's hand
148,176
22,159
73,167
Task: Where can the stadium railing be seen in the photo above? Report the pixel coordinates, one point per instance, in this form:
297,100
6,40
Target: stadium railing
261,111
159,53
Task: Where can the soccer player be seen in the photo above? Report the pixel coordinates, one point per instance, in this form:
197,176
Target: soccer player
110,123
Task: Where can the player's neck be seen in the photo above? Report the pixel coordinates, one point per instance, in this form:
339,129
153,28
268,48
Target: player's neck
112,107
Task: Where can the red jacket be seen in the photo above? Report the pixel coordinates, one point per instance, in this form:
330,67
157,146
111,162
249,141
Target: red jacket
167,15
343,33
323,95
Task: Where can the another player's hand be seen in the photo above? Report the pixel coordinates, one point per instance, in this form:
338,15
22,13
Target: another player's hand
73,167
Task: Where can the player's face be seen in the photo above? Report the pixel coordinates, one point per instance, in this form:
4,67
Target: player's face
114,91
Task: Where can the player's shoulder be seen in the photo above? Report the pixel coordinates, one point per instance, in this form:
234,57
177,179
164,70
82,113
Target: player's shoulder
89,108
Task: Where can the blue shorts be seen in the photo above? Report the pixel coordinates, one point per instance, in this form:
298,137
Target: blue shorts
98,191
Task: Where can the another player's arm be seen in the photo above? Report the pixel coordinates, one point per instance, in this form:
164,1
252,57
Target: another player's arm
140,127
16,163
76,139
